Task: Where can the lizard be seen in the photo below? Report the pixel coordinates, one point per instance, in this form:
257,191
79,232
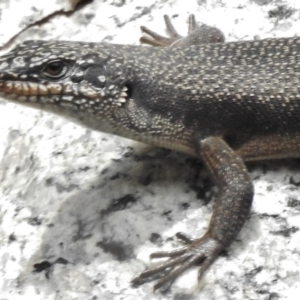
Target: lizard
225,103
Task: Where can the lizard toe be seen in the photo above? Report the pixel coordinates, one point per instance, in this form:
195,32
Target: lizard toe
201,251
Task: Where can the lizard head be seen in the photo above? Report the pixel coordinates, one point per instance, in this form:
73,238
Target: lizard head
67,78
119,89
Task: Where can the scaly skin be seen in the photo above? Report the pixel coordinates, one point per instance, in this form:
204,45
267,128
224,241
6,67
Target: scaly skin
222,102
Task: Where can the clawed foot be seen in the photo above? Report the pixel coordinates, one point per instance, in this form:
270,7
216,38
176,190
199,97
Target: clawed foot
197,35
197,251
157,40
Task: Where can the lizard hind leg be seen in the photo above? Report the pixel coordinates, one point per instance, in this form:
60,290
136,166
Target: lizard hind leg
197,35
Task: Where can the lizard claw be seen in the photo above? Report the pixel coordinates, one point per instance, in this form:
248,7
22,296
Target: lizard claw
157,40
197,35
197,251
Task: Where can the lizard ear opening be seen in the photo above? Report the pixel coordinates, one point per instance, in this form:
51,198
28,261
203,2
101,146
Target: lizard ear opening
129,90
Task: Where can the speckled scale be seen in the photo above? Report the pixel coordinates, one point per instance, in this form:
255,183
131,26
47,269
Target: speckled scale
248,82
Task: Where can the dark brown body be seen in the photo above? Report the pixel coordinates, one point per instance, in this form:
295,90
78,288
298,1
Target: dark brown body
222,102
245,92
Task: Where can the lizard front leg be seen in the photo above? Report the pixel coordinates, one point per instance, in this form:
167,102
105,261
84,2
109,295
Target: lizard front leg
196,35
231,210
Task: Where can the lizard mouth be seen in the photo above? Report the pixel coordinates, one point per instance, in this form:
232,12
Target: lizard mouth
16,89
64,94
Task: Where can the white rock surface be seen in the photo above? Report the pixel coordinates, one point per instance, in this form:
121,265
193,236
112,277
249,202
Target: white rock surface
90,207
17,15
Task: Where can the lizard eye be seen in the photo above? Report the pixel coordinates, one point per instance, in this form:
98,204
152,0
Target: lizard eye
55,69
